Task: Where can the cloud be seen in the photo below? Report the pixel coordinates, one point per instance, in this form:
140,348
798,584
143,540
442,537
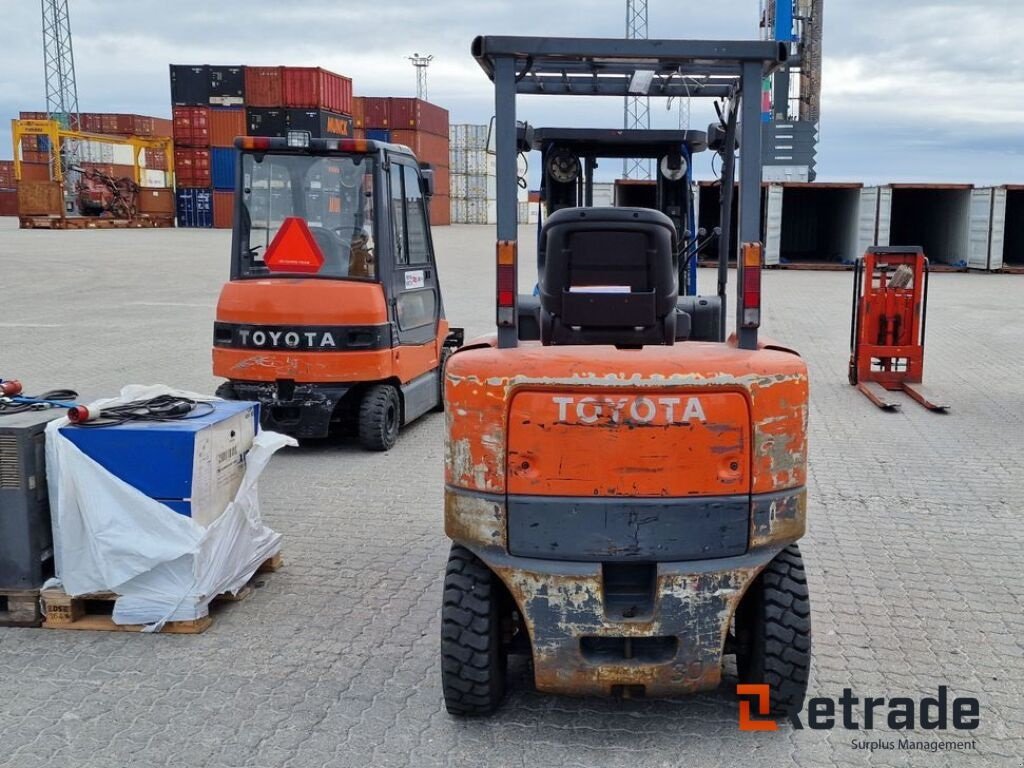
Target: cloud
924,90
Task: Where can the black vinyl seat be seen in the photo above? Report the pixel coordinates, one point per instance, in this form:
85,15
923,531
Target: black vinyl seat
608,276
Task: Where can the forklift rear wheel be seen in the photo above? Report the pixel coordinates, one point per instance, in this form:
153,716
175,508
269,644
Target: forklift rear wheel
380,416
773,632
473,657
226,391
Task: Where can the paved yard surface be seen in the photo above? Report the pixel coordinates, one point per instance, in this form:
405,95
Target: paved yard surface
914,551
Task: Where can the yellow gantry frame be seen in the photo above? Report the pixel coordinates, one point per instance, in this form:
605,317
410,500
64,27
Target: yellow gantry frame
53,130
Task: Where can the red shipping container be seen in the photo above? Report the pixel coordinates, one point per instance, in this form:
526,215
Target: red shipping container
91,122
417,115
162,127
123,171
263,87
8,202
31,156
29,143
116,124
442,179
32,116
192,167
428,147
142,125
192,128
315,87
35,171
376,112
223,209
440,211
156,159
357,111
156,200
225,124
6,174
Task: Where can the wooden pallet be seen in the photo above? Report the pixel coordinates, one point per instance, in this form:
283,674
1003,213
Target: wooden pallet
20,608
94,611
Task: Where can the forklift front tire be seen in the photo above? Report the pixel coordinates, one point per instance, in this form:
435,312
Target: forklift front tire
773,629
473,657
380,417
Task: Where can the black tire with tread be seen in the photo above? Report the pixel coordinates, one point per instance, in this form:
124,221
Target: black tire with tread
380,417
775,624
446,352
226,391
473,658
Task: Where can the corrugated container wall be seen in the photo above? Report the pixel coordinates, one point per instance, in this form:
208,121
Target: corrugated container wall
376,112
418,115
192,126
263,87
192,167
226,123
223,209
428,147
223,162
314,87
190,85
266,122
194,207
227,86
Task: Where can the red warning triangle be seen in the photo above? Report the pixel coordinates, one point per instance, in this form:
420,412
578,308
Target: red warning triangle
293,249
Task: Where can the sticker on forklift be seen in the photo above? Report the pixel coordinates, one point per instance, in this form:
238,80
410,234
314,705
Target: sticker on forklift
414,279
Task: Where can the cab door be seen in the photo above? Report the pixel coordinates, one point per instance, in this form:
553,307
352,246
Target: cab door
415,300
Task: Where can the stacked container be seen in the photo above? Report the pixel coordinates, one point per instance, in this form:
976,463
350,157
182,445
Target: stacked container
8,189
473,182
213,105
419,125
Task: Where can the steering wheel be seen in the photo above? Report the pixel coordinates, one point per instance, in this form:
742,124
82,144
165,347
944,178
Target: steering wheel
337,253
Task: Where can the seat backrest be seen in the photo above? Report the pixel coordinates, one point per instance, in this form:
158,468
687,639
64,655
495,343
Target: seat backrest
608,276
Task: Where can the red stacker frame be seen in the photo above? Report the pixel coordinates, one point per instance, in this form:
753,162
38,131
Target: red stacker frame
890,305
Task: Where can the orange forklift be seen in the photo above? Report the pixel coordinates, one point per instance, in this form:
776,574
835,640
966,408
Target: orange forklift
624,488
333,317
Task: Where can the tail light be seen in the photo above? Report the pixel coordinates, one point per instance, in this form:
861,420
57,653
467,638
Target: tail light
507,253
751,285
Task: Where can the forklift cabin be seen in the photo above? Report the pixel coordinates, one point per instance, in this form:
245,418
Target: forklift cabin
623,499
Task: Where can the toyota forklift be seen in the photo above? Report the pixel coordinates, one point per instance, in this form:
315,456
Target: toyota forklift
333,318
625,488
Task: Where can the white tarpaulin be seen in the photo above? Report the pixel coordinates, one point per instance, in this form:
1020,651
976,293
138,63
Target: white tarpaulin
110,537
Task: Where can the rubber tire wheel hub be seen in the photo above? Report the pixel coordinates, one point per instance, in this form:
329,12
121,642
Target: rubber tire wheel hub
775,622
473,658
380,416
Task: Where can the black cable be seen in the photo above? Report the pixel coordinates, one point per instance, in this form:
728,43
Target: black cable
10,407
161,408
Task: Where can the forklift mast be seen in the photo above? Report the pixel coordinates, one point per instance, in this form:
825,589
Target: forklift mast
727,70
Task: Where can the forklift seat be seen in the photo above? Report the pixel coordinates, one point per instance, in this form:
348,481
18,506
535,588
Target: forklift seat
608,276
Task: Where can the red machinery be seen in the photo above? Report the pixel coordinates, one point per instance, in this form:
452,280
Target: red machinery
99,194
890,302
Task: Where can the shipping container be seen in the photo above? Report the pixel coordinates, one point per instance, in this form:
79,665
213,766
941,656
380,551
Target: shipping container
636,193
1006,248
116,124
818,222
190,85
163,127
223,209
156,201
471,161
376,112
357,112
261,121
440,211
227,86
194,207
35,172
40,198
192,126
150,179
428,147
313,87
8,202
226,123
320,123
263,87
91,122
106,152
468,137
192,167
30,143
935,217
378,134
442,180
153,159
6,174
418,115
223,163
32,116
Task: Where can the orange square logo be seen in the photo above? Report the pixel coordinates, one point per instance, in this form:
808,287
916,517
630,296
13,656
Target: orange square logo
760,693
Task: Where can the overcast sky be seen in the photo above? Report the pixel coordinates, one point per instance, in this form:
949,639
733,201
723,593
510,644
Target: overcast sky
914,90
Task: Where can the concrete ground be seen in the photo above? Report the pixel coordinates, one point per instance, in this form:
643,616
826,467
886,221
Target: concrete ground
913,553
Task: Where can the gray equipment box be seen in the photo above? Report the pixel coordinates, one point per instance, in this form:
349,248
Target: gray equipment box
26,539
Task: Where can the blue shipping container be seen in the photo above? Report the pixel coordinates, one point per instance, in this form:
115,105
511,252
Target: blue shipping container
195,207
223,163
378,134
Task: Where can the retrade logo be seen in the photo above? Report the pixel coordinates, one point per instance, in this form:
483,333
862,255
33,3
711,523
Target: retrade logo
759,695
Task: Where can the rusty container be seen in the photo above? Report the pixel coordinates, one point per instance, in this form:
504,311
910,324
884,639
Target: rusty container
192,126
417,115
223,208
156,201
263,87
226,123
314,87
192,167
